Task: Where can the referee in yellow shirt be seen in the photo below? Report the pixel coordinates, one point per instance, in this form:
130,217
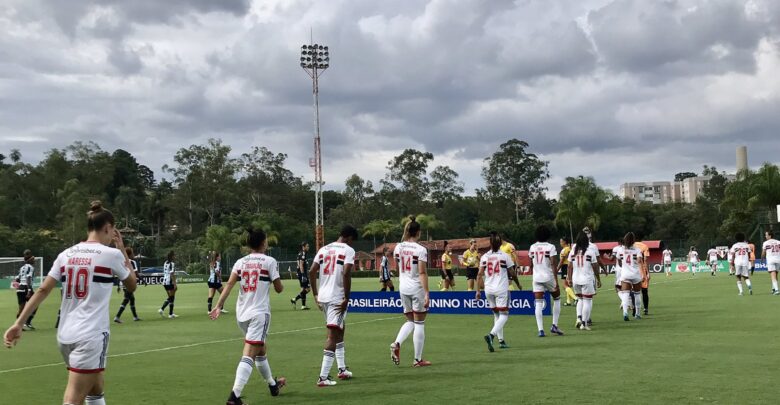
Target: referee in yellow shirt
563,267
509,249
471,262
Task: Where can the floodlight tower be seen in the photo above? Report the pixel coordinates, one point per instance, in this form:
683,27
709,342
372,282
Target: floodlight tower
315,58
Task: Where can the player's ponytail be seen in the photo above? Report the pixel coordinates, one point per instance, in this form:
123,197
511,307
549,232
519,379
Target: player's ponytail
581,244
629,240
412,228
98,217
495,241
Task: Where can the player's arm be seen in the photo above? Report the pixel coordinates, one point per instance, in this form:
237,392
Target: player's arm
554,262
313,272
14,333
421,268
480,277
278,286
226,293
512,271
596,273
301,269
347,282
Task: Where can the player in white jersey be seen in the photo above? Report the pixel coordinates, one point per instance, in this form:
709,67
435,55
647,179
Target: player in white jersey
544,258
584,278
170,285
129,296
24,286
667,255
496,268
631,275
740,252
333,265
712,259
770,252
730,259
255,273
693,259
411,260
86,271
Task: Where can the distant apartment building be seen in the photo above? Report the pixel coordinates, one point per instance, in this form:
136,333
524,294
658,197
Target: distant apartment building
662,192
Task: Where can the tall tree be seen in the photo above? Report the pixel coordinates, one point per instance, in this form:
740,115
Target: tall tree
514,174
357,190
684,175
444,185
581,203
409,169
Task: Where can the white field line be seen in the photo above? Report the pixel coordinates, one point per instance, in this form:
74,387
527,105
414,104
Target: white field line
163,349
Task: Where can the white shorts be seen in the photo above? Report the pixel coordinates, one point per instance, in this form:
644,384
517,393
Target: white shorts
334,318
414,303
713,262
256,329
549,286
498,302
86,357
617,277
743,271
773,266
587,290
631,278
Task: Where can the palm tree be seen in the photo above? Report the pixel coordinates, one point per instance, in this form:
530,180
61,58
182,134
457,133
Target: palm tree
428,222
582,203
765,188
379,227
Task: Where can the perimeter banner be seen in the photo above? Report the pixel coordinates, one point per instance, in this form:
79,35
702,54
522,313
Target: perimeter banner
450,302
704,267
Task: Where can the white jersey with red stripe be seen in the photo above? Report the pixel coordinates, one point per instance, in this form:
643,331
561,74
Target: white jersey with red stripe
541,254
87,272
693,256
256,273
582,267
631,257
667,256
741,252
496,266
772,250
713,255
408,256
332,259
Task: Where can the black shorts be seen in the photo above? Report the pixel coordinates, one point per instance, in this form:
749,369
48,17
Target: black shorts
128,295
385,276
169,287
447,275
564,271
215,286
304,282
21,294
471,273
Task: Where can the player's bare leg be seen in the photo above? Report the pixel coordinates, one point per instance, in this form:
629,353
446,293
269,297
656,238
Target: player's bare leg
83,387
335,336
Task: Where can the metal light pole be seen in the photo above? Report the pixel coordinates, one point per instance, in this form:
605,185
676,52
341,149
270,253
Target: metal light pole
315,58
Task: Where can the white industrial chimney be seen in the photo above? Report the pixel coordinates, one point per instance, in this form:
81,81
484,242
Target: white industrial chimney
742,162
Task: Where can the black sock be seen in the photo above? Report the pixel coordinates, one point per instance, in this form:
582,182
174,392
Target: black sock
383,289
297,297
392,288
646,298
121,309
210,301
171,307
303,299
29,320
165,304
132,308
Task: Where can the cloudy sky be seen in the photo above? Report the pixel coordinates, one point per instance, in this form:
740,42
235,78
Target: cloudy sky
621,90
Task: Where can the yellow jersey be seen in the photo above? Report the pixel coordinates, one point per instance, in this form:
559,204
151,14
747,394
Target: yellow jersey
471,259
446,261
509,249
565,255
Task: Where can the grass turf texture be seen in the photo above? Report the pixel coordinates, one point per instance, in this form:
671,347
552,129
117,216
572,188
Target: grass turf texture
701,344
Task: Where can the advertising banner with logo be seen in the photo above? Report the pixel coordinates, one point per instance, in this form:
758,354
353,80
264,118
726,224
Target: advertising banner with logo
451,302
153,280
702,267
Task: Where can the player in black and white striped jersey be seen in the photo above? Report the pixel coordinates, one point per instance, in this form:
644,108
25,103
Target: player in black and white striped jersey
169,283
24,288
129,295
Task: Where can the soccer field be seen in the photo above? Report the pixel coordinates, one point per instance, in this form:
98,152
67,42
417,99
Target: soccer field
701,344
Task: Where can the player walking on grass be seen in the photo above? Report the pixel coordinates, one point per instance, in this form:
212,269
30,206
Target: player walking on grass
86,271
303,278
471,262
631,276
385,276
741,261
667,255
448,279
563,268
412,260
712,259
255,273
129,295
693,259
333,265
169,283
544,259
495,270
585,279
770,252
645,275
24,288
215,279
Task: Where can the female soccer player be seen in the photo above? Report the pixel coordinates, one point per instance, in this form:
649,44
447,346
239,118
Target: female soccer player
385,276
667,254
255,274
495,271
544,259
740,252
24,288
770,251
215,279
303,277
412,259
448,279
129,296
712,259
169,283
86,271
471,262
584,278
563,268
693,259
631,276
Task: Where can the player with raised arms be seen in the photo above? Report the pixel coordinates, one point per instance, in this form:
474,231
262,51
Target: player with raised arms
385,276
544,264
170,285
303,277
24,287
712,259
215,279
412,260
693,259
584,278
129,295
631,275
86,271
255,273
333,265
667,255
740,252
770,252
495,270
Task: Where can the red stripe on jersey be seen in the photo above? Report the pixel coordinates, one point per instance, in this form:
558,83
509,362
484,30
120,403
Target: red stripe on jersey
103,270
342,257
331,326
263,272
255,342
81,371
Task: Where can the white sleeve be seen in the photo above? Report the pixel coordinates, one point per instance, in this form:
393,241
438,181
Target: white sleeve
349,256
237,267
553,252
509,262
423,255
274,271
56,269
118,265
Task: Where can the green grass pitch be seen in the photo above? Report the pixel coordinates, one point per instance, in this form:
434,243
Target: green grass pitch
701,344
